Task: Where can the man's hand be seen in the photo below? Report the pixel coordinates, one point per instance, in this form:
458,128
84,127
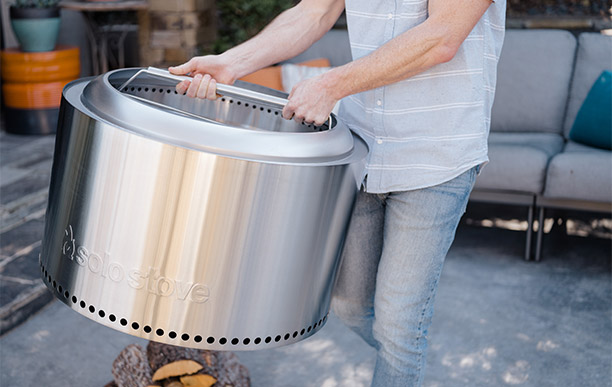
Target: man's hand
206,71
311,101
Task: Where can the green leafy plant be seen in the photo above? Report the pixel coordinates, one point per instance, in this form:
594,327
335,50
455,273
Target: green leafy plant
240,20
36,3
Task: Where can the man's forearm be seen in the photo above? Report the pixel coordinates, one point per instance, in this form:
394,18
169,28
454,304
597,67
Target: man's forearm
398,59
291,33
433,42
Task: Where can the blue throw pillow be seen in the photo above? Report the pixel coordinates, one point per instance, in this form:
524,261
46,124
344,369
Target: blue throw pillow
593,125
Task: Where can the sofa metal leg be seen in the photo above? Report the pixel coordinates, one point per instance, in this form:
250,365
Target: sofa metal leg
538,252
529,232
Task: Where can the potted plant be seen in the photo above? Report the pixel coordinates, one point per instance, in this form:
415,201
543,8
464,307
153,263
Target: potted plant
36,24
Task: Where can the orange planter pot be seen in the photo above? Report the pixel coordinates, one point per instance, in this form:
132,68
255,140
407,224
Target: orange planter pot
60,64
33,95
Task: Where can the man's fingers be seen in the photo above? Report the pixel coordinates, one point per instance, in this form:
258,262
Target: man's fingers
320,121
288,111
211,92
182,87
204,84
192,91
185,68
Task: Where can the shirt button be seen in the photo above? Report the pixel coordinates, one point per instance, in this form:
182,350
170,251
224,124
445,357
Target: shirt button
390,16
379,102
379,141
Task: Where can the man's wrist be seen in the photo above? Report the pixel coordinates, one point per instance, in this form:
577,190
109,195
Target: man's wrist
334,82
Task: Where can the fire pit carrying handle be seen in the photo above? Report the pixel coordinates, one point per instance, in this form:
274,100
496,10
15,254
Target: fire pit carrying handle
225,89
222,89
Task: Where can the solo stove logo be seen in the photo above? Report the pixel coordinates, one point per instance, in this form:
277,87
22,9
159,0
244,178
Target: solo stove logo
151,280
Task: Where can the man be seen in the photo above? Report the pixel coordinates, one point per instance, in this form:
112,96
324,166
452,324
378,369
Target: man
419,91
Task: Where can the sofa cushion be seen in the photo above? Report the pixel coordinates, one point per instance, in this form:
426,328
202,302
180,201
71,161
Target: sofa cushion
572,146
580,173
593,57
518,161
533,80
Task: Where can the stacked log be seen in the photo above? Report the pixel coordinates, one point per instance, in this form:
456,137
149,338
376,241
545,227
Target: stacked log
165,365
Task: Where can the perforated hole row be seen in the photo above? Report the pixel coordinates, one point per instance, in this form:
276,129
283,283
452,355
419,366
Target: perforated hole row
224,99
172,334
153,89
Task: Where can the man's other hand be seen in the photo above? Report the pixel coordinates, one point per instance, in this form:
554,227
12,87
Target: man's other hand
311,101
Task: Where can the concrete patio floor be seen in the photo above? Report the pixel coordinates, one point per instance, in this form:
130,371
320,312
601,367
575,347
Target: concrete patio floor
499,320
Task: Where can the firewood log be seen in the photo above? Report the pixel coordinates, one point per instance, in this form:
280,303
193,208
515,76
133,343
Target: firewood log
130,368
176,368
223,366
198,380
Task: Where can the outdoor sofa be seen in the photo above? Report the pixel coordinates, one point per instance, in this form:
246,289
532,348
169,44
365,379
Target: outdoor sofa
543,79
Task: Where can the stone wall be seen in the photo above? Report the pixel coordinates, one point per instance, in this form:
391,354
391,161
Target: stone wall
173,31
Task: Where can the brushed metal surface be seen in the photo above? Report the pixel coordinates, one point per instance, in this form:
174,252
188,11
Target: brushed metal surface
233,127
189,247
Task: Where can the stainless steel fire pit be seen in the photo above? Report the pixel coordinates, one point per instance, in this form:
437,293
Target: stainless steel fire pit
210,224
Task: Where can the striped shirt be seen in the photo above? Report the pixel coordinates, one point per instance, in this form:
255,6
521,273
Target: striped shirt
432,127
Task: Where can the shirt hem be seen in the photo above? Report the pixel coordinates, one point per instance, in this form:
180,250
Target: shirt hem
457,172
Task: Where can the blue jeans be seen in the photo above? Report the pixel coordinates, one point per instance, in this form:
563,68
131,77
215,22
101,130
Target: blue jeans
393,258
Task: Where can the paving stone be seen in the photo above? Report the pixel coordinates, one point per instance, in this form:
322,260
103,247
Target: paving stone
10,290
33,208
36,160
9,141
29,184
25,169
25,147
24,267
9,175
22,307
15,239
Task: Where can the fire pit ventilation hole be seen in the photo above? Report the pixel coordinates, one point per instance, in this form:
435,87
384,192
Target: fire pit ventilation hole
172,334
